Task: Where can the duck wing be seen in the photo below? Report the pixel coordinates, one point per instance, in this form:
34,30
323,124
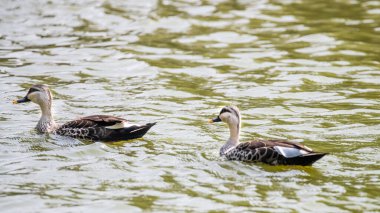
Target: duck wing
286,148
274,152
104,128
95,121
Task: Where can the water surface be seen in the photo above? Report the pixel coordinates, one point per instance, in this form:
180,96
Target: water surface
307,71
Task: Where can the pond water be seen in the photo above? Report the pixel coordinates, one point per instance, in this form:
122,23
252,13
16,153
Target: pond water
307,71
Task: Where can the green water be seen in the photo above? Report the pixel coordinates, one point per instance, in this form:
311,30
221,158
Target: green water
307,71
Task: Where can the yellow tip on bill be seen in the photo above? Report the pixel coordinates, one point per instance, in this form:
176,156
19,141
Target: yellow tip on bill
14,102
210,121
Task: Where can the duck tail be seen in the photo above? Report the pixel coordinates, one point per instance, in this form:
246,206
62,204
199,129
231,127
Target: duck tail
131,132
305,160
138,131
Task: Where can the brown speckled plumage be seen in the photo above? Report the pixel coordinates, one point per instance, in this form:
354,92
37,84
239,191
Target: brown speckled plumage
264,151
95,127
273,152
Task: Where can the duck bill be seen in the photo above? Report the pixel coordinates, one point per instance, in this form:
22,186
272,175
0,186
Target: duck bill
217,119
22,100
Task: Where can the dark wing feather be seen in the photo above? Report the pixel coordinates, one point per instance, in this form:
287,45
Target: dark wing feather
80,123
264,151
104,120
93,121
272,143
128,132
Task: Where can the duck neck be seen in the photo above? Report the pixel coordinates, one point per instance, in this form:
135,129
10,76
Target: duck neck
233,140
46,122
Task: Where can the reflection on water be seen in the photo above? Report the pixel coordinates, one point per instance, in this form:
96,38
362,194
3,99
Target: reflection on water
306,71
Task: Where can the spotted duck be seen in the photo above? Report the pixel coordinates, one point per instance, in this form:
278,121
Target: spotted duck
273,152
94,127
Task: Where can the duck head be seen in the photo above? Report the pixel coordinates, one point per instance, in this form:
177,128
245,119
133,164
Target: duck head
229,115
39,94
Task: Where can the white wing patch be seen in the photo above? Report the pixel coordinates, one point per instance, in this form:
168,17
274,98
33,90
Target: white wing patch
121,125
289,152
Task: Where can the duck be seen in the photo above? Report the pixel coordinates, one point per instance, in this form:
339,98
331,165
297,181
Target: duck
95,127
272,152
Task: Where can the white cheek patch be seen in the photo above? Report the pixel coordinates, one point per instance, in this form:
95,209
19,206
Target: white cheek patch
289,152
32,97
121,125
224,117
38,97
